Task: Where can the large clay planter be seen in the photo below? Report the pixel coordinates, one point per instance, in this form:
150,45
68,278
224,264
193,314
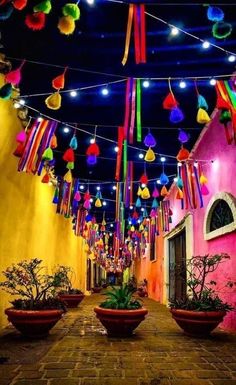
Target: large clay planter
120,323
197,323
34,323
71,300
96,289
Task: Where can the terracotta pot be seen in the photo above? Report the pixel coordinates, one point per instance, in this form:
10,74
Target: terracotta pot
96,289
120,323
71,300
33,323
197,323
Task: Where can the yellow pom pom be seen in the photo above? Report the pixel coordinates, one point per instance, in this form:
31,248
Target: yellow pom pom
139,193
98,203
203,179
150,156
68,177
202,116
66,25
53,101
145,193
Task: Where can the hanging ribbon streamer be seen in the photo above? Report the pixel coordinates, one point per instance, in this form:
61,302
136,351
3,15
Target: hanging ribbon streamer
119,152
138,112
136,15
125,155
132,117
127,106
196,174
224,103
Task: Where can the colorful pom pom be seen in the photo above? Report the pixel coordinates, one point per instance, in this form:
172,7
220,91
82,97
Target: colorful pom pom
215,13
182,155
6,91
138,202
145,193
170,102
204,190
36,21
73,143
59,81
71,9
202,116
176,115
46,178
203,179
183,136
53,101
91,159
68,177
164,179
221,30
139,192
45,7
98,203
66,25
201,102
53,143
179,183
19,4
69,155
70,165
77,196
14,77
164,191
21,137
93,149
6,11
144,179
149,140
155,203
149,156
47,154
179,194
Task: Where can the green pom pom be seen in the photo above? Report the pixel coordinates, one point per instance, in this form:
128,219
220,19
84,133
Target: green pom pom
70,165
48,154
72,10
225,117
221,30
45,7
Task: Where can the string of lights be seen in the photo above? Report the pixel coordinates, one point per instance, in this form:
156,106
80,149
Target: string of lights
74,127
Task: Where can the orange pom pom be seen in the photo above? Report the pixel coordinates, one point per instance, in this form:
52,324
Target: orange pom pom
164,191
179,194
53,143
59,82
66,25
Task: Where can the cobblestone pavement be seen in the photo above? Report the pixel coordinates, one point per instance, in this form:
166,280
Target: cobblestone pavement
159,353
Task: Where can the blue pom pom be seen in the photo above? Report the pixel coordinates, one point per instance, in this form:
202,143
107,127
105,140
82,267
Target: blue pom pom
176,115
202,103
164,179
215,13
138,203
6,11
74,143
155,203
180,183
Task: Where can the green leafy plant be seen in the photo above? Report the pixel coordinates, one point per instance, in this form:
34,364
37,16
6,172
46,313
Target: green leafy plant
67,274
37,289
121,298
202,295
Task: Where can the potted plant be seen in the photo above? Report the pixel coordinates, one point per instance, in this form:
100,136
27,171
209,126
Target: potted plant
97,288
120,314
142,289
104,283
38,309
71,296
201,311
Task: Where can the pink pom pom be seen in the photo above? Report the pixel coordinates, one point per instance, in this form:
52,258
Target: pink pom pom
204,190
77,196
21,137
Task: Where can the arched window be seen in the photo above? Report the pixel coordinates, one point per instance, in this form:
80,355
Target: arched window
220,217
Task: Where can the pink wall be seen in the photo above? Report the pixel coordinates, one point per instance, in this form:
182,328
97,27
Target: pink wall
221,178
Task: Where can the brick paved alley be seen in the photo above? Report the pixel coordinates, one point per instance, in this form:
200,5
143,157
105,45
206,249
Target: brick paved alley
81,354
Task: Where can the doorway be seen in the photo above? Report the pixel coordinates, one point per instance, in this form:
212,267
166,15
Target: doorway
177,266
88,282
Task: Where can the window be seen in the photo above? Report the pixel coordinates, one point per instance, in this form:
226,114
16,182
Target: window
220,216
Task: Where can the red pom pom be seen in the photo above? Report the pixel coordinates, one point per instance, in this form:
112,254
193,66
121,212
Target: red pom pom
36,21
182,155
69,155
170,102
46,178
87,196
135,215
93,149
144,179
19,4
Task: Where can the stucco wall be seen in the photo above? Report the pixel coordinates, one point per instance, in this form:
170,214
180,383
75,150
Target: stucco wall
29,226
221,178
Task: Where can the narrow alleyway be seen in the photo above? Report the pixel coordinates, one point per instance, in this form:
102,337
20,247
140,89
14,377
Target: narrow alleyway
79,353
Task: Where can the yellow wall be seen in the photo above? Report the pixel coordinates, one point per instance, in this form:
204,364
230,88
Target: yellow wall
29,226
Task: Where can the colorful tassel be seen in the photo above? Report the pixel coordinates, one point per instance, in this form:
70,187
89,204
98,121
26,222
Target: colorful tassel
149,140
182,155
203,179
53,143
36,21
66,25
19,4
170,102
138,111
145,193
176,115
45,7
183,136
164,191
91,159
68,177
71,9
201,102
6,12
70,165
179,194
14,77
138,202
164,179
77,196
53,101
98,203
144,179
149,156
215,13
69,155
202,116
73,143
139,192
47,154
155,193
93,149
155,203
46,178
21,137
204,190
59,82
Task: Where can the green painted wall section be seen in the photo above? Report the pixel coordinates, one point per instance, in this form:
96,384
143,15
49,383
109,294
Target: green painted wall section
29,226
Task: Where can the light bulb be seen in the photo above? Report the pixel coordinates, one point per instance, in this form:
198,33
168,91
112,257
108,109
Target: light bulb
98,188
231,58
110,234
39,119
205,44
146,83
158,181
175,179
22,102
179,164
92,140
111,225
81,187
114,188
142,209
66,130
90,2
16,105
143,185
105,91
141,156
195,164
213,82
131,207
104,203
91,200
182,84
116,149
163,159
174,31
73,94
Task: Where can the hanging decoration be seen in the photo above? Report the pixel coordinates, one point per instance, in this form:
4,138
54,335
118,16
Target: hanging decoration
190,194
71,9
202,115
136,17
6,11
14,77
170,103
183,154
93,151
35,21
183,136
119,152
226,103
215,13
53,101
149,141
59,82
220,29
19,4
45,6
66,25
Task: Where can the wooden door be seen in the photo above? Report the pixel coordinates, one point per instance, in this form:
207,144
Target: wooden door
177,266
